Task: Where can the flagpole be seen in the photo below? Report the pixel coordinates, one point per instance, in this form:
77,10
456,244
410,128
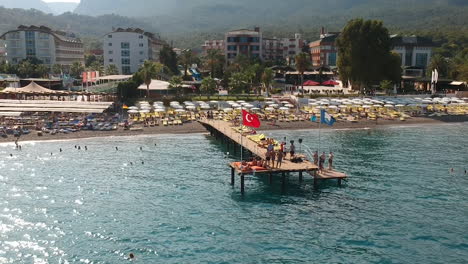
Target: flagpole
320,124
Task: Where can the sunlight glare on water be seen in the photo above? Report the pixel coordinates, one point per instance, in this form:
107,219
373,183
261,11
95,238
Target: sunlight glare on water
172,202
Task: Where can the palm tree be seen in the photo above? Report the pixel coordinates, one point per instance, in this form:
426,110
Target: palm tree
186,58
148,71
176,83
302,63
213,60
267,79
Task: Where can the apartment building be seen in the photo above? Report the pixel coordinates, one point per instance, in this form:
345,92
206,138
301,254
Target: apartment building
323,51
47,45
253,44
128,49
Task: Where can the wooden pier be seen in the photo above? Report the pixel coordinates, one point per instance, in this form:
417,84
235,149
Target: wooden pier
224,131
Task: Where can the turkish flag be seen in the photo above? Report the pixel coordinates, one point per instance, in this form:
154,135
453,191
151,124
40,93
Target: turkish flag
250,120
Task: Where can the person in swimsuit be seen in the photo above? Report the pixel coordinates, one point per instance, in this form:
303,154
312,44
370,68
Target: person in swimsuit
279,159
316,157
330,161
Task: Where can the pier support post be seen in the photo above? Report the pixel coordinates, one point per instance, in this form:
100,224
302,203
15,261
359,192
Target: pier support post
232,176
300,176
242,184
283,182
271,178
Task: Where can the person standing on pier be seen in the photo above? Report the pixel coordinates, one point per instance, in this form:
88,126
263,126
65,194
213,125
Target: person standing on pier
292,150
321,161
316,157
330,161
279,159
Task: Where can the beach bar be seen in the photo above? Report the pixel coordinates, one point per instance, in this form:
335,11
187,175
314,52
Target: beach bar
224,131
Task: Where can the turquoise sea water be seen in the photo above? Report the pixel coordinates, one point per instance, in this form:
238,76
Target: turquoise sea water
401,204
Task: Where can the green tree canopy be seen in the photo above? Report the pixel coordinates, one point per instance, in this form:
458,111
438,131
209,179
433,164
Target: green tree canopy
267,79
112,70
302,64
168,57
148,71
364,49
214,62
208,86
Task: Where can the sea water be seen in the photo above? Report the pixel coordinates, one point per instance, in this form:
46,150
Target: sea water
171,201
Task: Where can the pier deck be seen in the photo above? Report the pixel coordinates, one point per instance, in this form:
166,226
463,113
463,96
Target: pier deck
225,129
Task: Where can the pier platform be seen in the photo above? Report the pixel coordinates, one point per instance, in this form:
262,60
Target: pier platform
224,130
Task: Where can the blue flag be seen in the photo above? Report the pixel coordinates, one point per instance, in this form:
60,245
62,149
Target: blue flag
326,118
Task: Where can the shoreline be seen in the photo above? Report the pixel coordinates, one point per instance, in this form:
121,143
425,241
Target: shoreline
197,128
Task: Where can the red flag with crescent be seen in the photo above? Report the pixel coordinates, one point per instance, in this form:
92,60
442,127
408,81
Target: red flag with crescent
250,120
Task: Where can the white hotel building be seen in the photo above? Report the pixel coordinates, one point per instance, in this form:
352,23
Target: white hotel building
43,43
129,48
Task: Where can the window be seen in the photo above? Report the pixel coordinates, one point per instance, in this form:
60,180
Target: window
111,52
332,59
109,36
408,59
232,47
126,61
421,60
110,44
126,70
111,60
142,45
125,45
29,34
43,36
125,53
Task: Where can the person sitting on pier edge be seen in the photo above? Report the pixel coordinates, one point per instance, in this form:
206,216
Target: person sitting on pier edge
316,157
321,161
279,159
244,166
330,161
254,162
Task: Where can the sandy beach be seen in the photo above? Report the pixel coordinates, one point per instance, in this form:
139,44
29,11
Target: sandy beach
195,127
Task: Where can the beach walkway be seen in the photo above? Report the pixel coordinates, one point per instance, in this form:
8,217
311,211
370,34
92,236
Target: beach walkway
224,131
